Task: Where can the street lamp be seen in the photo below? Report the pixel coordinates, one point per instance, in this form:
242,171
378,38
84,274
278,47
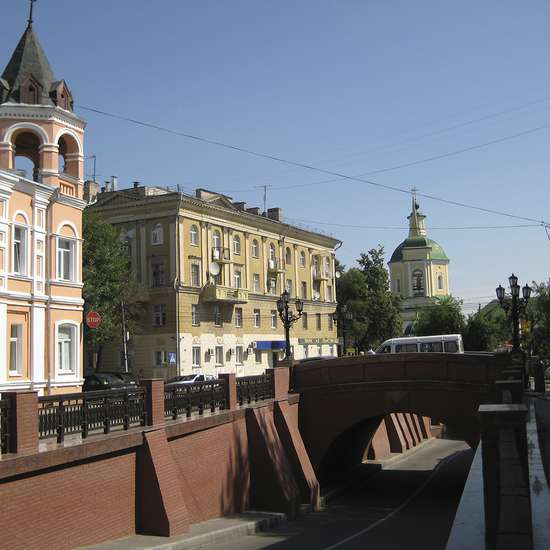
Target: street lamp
288,318
341,316
516,306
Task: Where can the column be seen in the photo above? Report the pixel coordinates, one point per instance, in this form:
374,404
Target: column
247,282
205,247
38,350
3,342
264,268
297,289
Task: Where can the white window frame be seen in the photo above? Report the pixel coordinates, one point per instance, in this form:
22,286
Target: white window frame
194,235
196,351
195,315
161,282
216,239
157,234
159,314
217,352
272,285
255,249
289,287
75,329
273,319
23,250
18,341
288,256
256,286
239,355
163,357
302,259
272,252
195,265
237,245
238,278
257,318
238,317
62,255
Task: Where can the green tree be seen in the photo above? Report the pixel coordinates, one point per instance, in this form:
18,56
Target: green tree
443,317
108,284
486,330
365,291
538,314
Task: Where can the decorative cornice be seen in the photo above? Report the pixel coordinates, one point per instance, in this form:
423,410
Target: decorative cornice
42,112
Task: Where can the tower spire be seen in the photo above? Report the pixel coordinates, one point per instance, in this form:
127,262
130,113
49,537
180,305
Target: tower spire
416,218
31,8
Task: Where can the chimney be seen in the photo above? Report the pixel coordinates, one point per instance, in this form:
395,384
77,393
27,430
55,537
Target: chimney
240,206
275,214
136,184
91,189
114,183
254,210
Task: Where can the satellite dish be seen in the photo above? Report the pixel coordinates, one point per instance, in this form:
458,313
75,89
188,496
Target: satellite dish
214,269
338,275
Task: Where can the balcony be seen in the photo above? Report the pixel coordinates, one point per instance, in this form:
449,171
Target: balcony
213,292
320,273
275,266
221,255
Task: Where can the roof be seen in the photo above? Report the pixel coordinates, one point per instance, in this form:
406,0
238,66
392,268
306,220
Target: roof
436,253
28,59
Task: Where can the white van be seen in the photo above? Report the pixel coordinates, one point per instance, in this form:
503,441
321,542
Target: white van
443,343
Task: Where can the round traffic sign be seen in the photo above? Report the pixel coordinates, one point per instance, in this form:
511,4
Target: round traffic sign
93,319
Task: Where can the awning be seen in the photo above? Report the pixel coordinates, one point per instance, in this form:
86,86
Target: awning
270,345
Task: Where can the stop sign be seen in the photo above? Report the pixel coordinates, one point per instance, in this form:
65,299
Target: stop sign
93,319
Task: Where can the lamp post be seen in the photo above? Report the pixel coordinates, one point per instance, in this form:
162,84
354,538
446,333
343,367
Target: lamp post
288,317
516,306
341,316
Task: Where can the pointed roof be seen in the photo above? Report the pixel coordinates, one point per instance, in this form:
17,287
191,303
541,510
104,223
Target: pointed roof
28,60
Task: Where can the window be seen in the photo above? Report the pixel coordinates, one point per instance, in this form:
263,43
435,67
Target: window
66,349
440,281
302,259
272,256
258,357
304,290
306,351
329,293
216,239
236,245
217,316
239,317
318,320
431,347
418,282
316,290
320,351
326,267
405,348
451,347
196,357
194,234
256,282
160,358
238,278
257,318
288,256
157,234
219,356
195,274
255,249
330,319
195,315
304,320
157,271
159,315
272,285
16,349
273,319
289,288
65,260
398,285
19,250
239,355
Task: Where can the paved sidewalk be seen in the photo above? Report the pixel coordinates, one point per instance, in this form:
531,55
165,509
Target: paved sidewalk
201,535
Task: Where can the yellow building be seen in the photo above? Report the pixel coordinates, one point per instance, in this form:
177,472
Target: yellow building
41,183
419,269
214,270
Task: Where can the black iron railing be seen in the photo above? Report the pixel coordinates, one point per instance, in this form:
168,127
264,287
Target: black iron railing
82,413
5,409
254,388
184,399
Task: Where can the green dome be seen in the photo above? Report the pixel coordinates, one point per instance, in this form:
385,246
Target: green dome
437,252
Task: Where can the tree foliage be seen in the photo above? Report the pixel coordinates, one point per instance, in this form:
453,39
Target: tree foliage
486,330
365,292
538,314
443,317
107,283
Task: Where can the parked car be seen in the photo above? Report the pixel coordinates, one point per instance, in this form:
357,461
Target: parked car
107,381
190,379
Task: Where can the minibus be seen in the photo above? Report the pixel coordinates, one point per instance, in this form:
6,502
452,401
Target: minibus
442,343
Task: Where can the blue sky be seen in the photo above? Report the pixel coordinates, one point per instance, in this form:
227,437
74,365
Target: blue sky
350,86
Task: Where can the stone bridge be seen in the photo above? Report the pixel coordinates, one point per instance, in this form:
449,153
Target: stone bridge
344,400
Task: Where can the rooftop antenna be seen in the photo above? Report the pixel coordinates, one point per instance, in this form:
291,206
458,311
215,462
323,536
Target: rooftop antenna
31,7
264,187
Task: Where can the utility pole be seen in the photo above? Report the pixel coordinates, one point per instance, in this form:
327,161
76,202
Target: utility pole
124,338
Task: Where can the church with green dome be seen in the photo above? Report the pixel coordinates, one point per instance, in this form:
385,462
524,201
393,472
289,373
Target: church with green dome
419,269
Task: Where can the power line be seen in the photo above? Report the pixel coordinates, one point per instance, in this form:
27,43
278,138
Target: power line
338,174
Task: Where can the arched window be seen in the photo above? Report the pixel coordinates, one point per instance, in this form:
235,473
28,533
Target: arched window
27,154
418,282
69,156
272,252
194,234
255,249
288,256
236,245
440,281
302,259
157,236
216,239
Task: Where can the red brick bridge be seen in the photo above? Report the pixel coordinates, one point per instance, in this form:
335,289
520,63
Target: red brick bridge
344,400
